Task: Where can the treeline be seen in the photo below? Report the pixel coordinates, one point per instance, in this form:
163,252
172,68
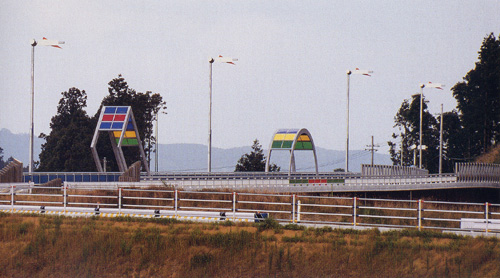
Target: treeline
67,147
470,130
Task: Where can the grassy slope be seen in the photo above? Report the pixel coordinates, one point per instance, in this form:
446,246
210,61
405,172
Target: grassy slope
42,246
493,156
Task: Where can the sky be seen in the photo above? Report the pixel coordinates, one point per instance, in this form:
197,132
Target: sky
291,68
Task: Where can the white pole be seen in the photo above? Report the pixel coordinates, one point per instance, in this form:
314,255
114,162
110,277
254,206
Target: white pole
347,125
32,125
211,61
156,146
441,142
420,143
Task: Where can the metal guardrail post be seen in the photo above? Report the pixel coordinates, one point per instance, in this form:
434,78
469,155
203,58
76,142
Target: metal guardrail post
354,212
234,206
298,211
65,200
486,215
175,203
120,200
12,196
293,208
419,214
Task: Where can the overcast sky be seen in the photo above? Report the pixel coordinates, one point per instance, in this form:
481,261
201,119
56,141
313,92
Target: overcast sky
291,73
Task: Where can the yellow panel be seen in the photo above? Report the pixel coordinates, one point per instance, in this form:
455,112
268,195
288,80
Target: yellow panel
290,137
279,137
304,138
129,134
117,134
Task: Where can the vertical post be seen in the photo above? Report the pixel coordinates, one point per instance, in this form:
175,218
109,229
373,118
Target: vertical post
175,203
298,211
65,198
486,215
347,124
420,143
441,142
234,206
211,61
419,214
12,196
120,200
372,149
32,126
354,212
293,208
156,143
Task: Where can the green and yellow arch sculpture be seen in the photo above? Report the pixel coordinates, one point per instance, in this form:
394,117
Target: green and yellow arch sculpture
292,140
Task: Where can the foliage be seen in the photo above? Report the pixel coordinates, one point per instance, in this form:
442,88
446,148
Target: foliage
255,161
67,146
407,120
478,97
145,106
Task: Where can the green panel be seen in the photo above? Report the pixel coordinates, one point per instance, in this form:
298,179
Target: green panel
127,141
303,146
335,181
277,144
287,144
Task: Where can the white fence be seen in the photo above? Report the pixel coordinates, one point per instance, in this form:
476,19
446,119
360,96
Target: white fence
346,212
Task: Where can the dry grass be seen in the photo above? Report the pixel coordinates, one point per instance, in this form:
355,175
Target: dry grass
43,246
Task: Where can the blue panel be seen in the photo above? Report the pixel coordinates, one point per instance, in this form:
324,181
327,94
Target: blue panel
36,179
44,179
70,178
102,178
52,177
110,110
130,126
78,178
117,125
121,110
105,125
86,178
94,177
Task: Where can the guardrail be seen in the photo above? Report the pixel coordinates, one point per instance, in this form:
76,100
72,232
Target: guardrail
344,212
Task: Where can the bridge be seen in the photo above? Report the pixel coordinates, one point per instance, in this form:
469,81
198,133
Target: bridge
372,178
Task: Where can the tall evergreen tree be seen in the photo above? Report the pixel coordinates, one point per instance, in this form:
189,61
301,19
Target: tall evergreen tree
67,146
478,97
255,161
407,120
145,107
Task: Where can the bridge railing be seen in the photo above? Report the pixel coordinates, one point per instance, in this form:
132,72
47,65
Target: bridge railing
342,212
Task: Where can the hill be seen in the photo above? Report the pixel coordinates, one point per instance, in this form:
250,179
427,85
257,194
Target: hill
493,156
193,157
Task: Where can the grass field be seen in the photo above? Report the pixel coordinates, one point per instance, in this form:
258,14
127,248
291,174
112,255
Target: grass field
45,246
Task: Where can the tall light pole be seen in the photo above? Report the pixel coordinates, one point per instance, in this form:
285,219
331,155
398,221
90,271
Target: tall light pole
356,71
441,141
211,60
421,145
34,43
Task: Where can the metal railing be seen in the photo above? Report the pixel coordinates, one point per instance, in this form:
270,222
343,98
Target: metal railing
347,212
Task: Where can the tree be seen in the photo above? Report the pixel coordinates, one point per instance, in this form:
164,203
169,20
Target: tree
255,161
453,143
478,97
407,120
67,147
2,163
145,107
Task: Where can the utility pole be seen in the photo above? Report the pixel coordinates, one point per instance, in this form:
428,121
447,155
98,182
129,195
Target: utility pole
371,148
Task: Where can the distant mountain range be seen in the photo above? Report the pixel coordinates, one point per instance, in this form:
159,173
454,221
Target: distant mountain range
194,157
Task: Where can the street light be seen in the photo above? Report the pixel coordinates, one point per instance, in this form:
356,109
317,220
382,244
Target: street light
356,71
219,59
422,86
34,43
